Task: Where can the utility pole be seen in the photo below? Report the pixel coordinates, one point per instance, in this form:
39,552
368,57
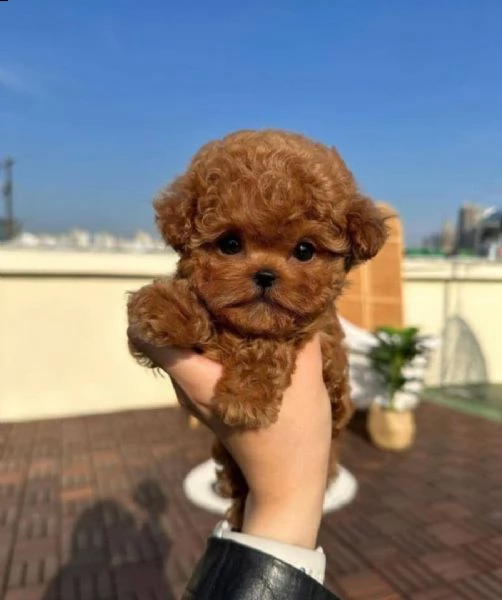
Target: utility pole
8,194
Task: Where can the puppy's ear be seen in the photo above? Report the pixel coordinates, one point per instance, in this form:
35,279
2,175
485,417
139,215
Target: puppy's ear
366,230
174,213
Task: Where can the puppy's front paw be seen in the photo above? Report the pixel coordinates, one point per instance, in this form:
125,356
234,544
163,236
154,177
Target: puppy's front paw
250,414
149,315
165,313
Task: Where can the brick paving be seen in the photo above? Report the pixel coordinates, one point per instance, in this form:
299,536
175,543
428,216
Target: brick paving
93,509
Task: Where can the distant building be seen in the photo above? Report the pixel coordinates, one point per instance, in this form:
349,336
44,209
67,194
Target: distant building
442,242
105,241
469,216
448,238
489,234
478,233
432,242
79,239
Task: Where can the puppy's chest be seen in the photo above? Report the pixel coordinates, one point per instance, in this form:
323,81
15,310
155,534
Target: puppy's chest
227,348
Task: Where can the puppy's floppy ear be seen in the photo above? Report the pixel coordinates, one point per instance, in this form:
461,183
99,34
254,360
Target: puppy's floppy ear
174,212
366,230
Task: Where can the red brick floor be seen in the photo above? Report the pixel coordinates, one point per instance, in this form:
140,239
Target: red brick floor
93,508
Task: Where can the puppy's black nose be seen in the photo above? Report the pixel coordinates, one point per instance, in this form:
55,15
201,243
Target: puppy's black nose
265,279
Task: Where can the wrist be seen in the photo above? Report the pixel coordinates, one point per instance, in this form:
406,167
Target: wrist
293,521
311,562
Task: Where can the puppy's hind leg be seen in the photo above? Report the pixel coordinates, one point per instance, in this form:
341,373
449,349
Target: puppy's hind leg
231,484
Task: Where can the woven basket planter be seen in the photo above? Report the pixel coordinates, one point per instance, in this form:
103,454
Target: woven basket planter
391,429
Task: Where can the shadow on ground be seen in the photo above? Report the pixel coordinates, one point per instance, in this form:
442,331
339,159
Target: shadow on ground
116,553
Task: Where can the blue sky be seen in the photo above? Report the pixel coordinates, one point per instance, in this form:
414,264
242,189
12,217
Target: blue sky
103,102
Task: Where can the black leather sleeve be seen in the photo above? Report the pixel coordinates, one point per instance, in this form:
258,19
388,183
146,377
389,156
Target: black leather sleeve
231,571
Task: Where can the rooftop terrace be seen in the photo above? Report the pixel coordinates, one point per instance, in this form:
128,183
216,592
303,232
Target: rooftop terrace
93,508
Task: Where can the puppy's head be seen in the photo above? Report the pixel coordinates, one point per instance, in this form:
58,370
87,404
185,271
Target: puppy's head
267,224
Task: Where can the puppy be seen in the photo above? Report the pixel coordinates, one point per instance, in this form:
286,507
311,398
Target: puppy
267,225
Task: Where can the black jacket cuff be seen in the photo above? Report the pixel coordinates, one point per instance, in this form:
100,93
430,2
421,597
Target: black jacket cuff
231,571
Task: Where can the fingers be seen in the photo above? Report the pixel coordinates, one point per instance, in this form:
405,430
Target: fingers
194,371
164,357
169,359
190,406
196,375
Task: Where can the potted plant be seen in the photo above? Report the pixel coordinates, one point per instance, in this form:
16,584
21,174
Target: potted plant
391,418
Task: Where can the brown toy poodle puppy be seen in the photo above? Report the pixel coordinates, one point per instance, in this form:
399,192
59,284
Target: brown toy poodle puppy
267,225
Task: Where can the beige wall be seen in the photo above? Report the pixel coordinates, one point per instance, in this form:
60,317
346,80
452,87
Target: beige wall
460,302
62,328
63,349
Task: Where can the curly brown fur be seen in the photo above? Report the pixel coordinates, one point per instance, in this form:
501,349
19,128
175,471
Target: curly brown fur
242,207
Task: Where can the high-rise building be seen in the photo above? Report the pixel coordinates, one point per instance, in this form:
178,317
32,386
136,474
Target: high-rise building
468,218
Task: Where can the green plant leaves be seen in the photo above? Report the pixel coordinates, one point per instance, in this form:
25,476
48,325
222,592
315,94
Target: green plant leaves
395,350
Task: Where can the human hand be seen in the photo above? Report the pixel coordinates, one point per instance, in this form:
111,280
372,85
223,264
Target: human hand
285,464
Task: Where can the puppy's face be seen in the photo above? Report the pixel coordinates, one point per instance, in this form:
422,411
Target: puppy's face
267,225
269,279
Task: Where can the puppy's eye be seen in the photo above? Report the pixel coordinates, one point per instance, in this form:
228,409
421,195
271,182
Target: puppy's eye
230,243
304,251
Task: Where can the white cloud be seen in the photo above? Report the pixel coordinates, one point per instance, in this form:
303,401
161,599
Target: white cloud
14,81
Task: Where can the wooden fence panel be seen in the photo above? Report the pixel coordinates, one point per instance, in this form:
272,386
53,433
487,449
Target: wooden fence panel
374,295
